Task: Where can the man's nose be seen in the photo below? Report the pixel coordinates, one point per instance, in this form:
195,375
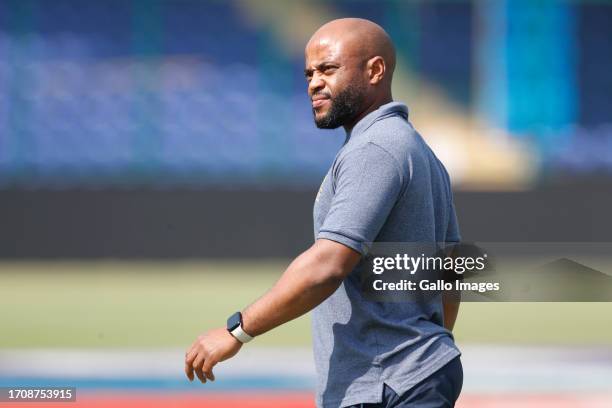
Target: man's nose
315,84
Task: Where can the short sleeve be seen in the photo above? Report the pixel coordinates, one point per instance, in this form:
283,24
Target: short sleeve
367,184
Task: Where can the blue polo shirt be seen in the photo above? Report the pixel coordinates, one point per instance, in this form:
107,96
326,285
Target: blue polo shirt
385,185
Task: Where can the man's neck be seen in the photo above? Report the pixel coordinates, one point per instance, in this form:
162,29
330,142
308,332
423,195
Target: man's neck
377,103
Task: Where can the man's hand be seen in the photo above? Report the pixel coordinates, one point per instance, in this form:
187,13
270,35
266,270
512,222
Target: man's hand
210,348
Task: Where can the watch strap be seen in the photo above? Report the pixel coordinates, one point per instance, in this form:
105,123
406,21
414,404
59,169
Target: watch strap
241,335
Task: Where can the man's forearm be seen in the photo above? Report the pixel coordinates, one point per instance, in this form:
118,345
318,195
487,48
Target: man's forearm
309,280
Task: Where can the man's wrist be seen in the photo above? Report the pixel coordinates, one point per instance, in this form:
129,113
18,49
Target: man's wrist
236,329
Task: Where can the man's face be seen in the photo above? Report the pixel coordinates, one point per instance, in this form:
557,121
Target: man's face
335,83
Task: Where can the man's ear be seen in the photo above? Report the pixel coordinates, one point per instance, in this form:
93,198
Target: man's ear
376,69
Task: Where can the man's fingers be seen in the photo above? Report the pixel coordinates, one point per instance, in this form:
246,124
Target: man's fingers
200,365
207,369
197,366
208,350
189,357
200,375
191,353
189,371
189,360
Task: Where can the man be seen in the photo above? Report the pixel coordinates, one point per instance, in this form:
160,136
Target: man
385,185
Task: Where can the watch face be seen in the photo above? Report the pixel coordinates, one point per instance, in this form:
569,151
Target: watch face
233,321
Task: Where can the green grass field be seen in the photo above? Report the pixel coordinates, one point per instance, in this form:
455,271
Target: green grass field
166,304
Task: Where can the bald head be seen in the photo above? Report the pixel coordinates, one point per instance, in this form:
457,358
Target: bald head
359,38
349,68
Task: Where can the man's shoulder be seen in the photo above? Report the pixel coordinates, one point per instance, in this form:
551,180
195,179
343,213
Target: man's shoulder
393,133
397,137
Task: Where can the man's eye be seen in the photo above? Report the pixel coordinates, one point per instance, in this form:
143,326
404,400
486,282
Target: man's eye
329,70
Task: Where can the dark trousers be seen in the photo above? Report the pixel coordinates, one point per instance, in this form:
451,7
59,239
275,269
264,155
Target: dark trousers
440,390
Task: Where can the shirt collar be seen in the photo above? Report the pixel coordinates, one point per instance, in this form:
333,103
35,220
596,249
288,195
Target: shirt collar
383,111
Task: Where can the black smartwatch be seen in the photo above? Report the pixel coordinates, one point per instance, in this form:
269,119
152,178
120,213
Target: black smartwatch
234,326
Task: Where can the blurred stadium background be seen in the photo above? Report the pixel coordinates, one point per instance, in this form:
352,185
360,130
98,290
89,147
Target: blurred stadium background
158,164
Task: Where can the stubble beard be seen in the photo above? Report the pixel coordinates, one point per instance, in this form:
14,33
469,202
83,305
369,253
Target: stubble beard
344,108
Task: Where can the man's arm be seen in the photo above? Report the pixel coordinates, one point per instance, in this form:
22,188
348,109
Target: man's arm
450,304
309,280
